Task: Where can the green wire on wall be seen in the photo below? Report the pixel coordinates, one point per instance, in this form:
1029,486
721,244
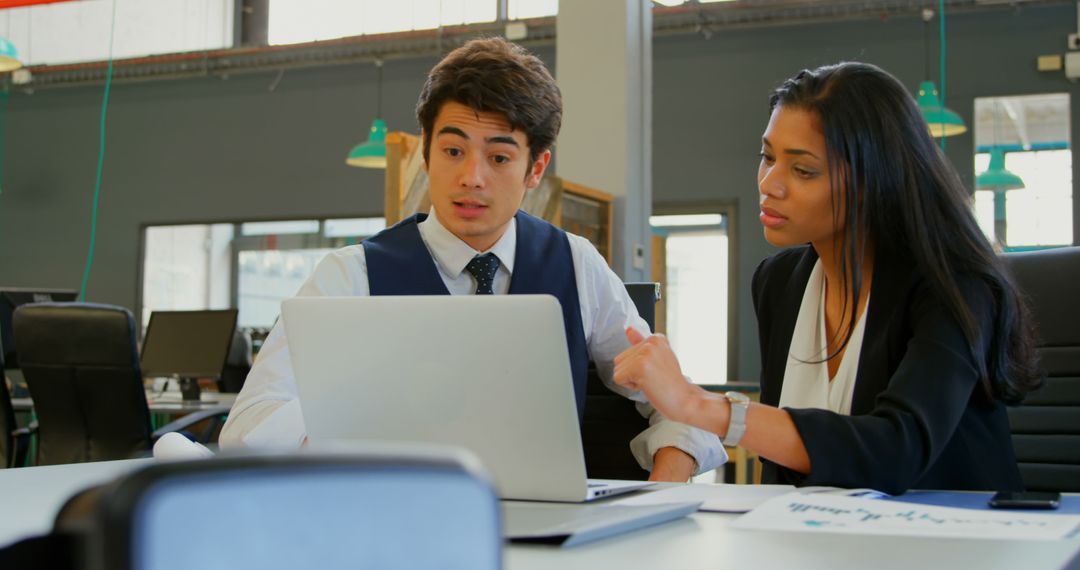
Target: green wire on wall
100,162
3,134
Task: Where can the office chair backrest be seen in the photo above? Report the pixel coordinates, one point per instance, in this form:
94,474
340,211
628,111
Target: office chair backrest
610,420
1046,427
82,369
7,423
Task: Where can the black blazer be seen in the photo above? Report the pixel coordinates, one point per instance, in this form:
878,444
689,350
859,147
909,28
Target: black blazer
918,419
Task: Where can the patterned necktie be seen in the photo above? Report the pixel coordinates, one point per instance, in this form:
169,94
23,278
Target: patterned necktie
483,268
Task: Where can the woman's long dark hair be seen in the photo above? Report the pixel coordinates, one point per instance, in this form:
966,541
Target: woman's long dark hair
897,192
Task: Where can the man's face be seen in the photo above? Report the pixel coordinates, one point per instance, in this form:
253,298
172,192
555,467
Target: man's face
478,171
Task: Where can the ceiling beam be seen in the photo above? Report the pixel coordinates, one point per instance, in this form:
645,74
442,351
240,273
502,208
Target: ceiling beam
703,19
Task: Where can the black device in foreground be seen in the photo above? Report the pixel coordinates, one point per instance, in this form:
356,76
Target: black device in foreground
369,501
1025,500
187,345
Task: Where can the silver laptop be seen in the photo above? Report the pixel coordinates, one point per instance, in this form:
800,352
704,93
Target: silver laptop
488,373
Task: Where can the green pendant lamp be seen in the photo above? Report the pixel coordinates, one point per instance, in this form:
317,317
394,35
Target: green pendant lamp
9,56
372,152
942,121
996,177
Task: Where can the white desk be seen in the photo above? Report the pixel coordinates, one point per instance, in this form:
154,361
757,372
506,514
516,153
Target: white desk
704,540
31,497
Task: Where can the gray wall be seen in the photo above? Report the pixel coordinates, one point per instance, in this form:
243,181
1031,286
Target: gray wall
206,149
210,149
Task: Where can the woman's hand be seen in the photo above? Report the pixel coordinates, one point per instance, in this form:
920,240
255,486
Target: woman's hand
649,365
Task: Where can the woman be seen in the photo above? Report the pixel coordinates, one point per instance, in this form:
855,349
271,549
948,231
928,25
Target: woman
891,336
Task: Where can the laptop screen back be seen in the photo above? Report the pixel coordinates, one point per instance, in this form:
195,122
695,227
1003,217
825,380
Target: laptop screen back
489,373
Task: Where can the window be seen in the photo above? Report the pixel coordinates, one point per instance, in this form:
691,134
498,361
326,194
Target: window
70,32
278,228
522,9
296,21
186,268
252,266
697,254
1031,134
266,277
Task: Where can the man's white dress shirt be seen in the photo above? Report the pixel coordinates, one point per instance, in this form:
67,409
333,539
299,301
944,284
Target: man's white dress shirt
267,411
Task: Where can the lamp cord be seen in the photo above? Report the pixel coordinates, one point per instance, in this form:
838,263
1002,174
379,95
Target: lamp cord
100,162
941,69
378,88
926,45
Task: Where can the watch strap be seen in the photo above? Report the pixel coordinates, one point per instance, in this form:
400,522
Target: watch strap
739,404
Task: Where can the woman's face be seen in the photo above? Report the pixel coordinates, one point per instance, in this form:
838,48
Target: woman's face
794,181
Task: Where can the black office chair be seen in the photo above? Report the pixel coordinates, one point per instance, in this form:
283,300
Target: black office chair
1046,427
14,441
81,366
610,420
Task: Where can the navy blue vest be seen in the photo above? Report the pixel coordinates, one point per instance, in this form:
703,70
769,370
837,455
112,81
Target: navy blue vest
398,263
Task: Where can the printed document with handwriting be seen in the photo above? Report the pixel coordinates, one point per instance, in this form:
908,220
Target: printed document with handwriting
818,512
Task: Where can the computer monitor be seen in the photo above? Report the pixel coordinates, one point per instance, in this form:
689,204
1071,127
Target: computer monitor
13,297
187,344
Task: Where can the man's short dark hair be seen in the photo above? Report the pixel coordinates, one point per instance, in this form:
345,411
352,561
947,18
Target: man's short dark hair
493,75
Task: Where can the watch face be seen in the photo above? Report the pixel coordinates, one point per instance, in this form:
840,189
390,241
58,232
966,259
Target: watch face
737,398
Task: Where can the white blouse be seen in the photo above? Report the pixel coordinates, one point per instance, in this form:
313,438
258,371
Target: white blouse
806,376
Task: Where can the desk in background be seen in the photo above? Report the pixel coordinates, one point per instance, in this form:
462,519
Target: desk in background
168,403
703,540
164,407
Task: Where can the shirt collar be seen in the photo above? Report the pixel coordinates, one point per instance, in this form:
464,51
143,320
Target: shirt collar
452,255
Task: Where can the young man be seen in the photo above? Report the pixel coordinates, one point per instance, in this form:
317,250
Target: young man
489,114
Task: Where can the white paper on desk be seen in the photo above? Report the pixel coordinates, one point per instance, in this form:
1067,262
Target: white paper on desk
853,515
723,498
